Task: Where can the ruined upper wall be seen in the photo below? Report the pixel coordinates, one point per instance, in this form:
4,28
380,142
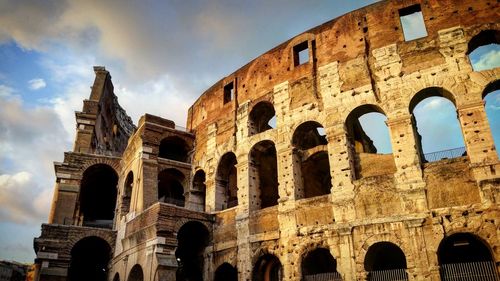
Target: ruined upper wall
352,36
103,126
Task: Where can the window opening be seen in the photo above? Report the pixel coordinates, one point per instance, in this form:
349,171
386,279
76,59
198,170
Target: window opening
267,268
228,92
484,50
259,119
199,189
127,193
173,148
301,53
89,260
136,274
264,174
385,261
319,264
170,188
492,108
226,272
192,239
226,183
412,21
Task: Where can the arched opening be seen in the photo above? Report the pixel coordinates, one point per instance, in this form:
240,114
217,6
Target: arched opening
98,196
198,191
89,260
267,268
385,261
264,173
136,274
127,193
369,141
491,98
226,272
466,256
316,174
436,126
117,277
174,148
319,264
311,167
260,118
483,50
170,188
192,239
226,183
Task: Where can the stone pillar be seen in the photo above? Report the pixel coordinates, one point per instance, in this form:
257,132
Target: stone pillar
408,174
147,193
341,170
346,265
211,172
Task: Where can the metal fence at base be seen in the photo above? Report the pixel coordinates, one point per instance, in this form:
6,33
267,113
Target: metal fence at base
388,275
329,276
469,271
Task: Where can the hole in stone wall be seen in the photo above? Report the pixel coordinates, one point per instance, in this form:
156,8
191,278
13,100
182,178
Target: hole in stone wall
267,268
412,22
89,260
192,239
226,183
484,50
264,171
226,272
228,92
316,176
437,129
308,135
170,187
259,119
174,148
491,97
199,189
319,264
127,193
385,259
301,53
136,274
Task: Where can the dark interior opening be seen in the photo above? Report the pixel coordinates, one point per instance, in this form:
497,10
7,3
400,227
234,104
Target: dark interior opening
317,179
462,247
226,182
228,92
308,135
170,189
136,273
226,272
267,268
192,239
263,159
260,117
127,193
319,261
300,53
89,260
174,148
199,188
98,196
485,37
384,256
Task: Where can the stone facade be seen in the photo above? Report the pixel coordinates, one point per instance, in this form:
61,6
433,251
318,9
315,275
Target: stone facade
234,197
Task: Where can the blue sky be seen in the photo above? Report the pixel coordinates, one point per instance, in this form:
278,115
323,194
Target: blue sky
162,56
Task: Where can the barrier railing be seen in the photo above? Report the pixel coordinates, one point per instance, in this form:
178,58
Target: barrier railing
470,271
386,275
172,201
445,154
328,276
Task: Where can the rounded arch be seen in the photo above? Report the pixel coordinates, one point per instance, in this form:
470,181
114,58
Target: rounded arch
491,87
198,192
320,263
116,277
267,268
308,135
259,118
384,259
192,239
226,182
136,273
264,171
97,198
89,259
127,193
430,92
170,187
174,148
484,37
226,272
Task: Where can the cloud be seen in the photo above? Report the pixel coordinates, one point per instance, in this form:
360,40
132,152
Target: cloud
489,60
413,26
37,84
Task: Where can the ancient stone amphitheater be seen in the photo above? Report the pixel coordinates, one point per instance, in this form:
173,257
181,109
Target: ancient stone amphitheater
306,196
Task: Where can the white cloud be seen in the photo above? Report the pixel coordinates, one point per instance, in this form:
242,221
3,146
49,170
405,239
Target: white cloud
489,60
37,84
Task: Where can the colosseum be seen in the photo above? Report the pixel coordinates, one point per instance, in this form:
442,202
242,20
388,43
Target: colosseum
305,197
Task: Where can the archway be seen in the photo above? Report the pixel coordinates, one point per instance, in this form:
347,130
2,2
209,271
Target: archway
308,135
465,255
369,141
436,126
174,148
127,193
483,48
98,193
198,191
192,239
385,261
226,183
319,264
491,98
264,173
260,118
226,272
170,189
89,260
136,274
267,268
117,277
